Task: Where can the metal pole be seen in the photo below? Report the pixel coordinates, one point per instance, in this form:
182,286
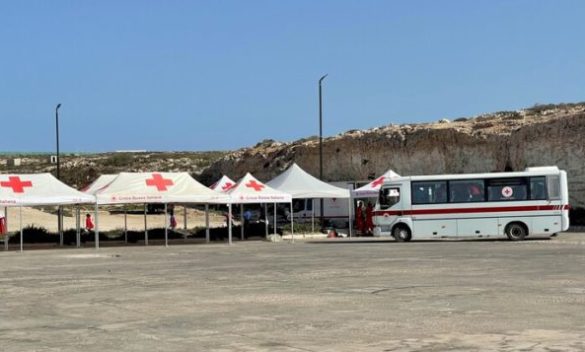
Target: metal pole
166,227
292,230
185,217
97,227
242,221
59,210
77,228
313,215
145,228
275,218
207,223
266,218
125,225
230,223
6,236
21,232
349,216
321,139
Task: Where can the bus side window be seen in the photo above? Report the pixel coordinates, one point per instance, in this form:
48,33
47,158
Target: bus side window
538,188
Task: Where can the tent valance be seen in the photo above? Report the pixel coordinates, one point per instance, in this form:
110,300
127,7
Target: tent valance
157,187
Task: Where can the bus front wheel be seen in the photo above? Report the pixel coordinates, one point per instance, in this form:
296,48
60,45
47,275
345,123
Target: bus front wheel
516,231
401,233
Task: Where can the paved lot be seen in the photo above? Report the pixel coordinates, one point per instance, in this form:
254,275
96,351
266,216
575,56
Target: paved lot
333,296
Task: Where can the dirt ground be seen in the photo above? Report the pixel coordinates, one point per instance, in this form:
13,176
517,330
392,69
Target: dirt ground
107,221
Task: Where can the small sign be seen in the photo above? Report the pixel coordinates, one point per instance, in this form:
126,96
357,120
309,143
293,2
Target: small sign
507,191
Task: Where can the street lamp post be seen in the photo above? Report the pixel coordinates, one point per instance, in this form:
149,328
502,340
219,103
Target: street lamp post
321,142
59,220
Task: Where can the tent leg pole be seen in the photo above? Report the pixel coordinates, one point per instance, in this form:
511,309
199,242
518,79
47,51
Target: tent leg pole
292,226
77,228
313,215
230,223
6,236
242,222
97,228
60,224
206,223
125,225
275,219
349,216
145,228
166,227
266,218
185,217
21,232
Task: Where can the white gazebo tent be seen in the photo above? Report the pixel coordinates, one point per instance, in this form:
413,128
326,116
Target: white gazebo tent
36,190
158,187
372,189
301,184
249,190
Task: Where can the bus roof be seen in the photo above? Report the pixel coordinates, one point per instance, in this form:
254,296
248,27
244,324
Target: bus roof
531,171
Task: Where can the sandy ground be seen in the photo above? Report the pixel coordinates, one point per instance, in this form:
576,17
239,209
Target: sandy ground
107,221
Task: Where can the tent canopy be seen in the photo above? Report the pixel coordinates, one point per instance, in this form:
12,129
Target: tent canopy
157,187
250,190
98,184
300,184
223,184
372,189
38,189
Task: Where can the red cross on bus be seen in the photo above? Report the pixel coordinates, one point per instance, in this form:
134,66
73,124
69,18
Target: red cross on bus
378,182
16,184
253,184
159,182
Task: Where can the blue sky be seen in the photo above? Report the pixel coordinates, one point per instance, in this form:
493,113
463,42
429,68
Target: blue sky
217,75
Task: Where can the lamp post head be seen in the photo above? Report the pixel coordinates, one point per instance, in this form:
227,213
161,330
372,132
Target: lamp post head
322,78
58,106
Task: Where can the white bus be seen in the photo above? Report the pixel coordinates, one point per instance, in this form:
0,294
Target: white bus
533,202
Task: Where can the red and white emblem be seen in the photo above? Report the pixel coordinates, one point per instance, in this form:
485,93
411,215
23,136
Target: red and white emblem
16,184
159,182
507,191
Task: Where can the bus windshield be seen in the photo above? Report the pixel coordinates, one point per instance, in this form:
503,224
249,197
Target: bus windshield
389,197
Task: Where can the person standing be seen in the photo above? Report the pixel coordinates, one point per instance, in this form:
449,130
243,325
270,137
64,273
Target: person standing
2,223
370,219
89,226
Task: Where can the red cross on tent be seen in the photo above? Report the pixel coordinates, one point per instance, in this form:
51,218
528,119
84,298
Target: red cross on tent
16,184
378,182
227,186
253,184
159,182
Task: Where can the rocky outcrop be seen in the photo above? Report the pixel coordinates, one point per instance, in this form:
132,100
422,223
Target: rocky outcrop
504,141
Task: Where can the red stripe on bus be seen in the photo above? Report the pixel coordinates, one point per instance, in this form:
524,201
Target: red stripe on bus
472,210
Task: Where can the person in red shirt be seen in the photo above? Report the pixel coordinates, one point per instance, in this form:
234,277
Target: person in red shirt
89,223
369,219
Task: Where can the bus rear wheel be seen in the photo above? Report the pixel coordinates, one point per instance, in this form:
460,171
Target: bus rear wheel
516,231
401,233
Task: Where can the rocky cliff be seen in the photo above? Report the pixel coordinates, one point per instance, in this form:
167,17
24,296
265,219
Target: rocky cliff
504,141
